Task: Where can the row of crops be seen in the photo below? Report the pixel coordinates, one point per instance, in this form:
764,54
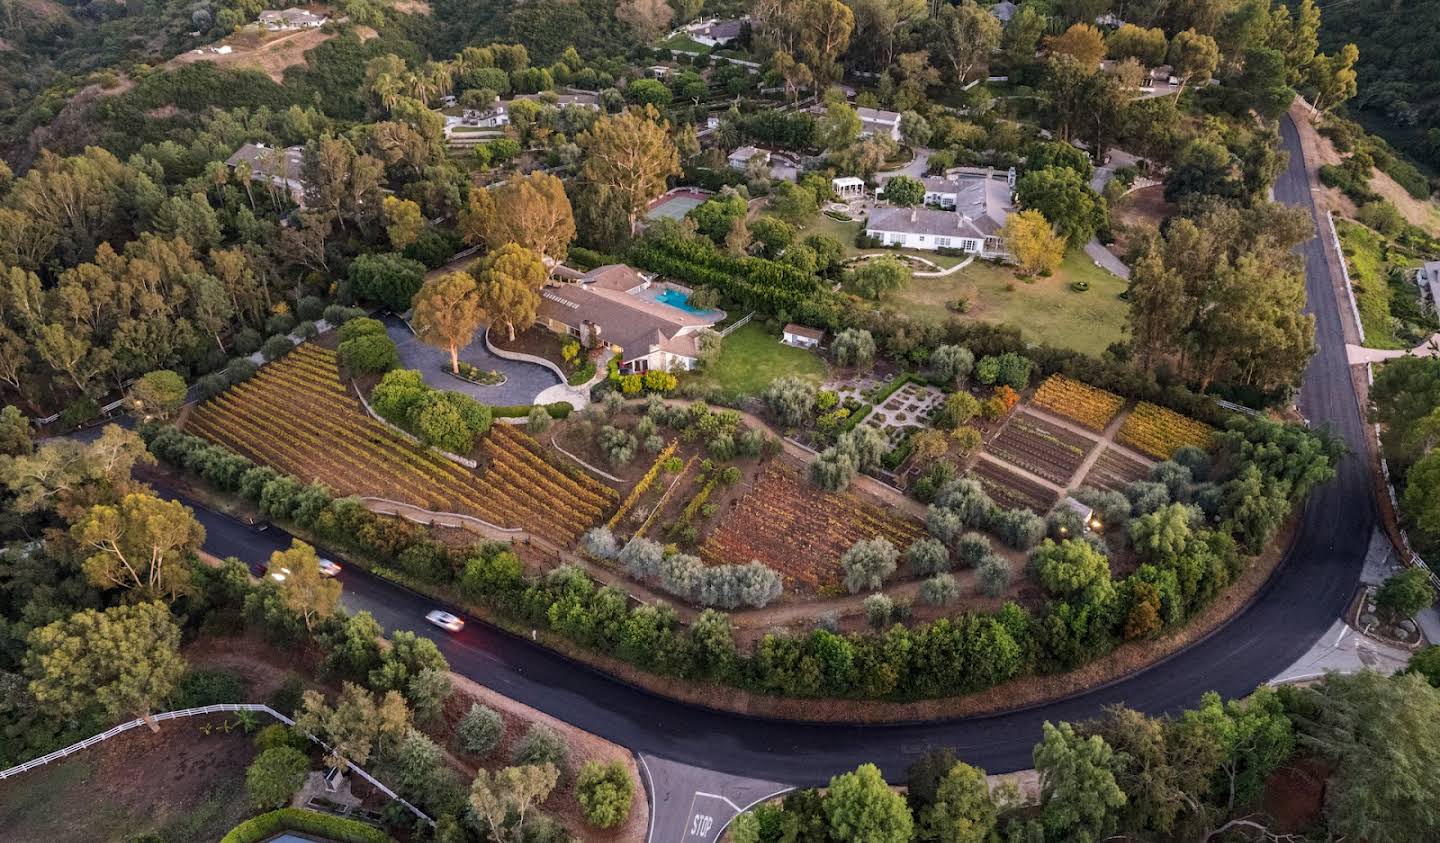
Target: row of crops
298,417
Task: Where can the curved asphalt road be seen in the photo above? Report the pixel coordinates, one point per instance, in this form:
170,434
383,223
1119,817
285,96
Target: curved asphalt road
1295,608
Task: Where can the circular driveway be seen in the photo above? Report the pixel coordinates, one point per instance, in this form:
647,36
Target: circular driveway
523,381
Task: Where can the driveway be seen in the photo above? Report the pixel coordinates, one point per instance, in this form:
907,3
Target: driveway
916,168
523,381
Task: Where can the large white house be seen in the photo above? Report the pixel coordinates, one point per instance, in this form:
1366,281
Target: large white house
715,32
617,306
282,20
875,121
979,208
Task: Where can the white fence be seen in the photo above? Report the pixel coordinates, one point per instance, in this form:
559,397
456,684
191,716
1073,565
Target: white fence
739,323
1345,274
194,712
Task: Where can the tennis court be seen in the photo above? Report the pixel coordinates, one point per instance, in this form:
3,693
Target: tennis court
675,205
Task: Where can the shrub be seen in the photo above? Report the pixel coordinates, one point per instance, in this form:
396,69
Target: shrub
330,827
306,330
853,347
1018,528
362,326
276,347
280,323
1405,593
1146,496
542,745
939,590
370,354
538,421
879,608
952,363
275,775
480,730
791,400
600,543
605,792
868,564
276,735
240,369
971,549
927,556
209,687
995,575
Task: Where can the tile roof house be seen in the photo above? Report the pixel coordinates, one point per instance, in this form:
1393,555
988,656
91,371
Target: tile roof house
874,121
277,20
278,167
607,307
980,208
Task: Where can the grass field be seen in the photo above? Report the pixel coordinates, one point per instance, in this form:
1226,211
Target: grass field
752,357
1045,309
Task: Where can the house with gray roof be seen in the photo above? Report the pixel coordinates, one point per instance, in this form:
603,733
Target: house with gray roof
715,32
618,307
1004,10
977,210
277,167
875,121
284,20
579,99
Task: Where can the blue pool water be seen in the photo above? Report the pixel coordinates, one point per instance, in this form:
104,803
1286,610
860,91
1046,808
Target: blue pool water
675,298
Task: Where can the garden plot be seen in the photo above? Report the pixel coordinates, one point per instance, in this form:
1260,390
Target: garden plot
855,388
297,417
905,412
1010,490
791,525
1160,432
1042,448
1081,403
1114,470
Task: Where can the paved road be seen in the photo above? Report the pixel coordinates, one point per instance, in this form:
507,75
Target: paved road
523,381
1293,611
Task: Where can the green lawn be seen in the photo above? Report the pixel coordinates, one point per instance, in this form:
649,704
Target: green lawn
1045,309
683,43
752,357
1382,305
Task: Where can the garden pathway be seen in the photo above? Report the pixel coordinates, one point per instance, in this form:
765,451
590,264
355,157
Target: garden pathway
1105,439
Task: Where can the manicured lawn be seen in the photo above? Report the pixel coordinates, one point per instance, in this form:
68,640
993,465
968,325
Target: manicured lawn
1381,303
684,43
752,357
1046,309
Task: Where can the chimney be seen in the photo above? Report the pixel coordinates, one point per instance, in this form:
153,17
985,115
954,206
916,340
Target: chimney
914,214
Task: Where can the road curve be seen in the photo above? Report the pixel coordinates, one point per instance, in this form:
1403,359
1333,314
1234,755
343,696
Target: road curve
1292,611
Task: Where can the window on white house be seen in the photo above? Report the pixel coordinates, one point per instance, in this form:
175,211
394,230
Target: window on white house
942,242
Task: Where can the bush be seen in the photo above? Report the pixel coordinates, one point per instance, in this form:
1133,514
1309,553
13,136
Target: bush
538,420
927,556
276,347
78,412
280,323
306,330
939,590
331,827
995,575
480,730
605,792
361,326
868,564
287,697
879,609
972,549
1405,593
209,687
542,745
277,735
275,775
372,354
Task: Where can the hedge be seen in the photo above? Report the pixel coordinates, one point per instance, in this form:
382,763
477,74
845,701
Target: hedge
556,409
298,819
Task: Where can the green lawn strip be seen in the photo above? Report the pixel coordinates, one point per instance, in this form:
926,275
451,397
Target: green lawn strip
1045,309
1374,296
751,357
683,43
268,825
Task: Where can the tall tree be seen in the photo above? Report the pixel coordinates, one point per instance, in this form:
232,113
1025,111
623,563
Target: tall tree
306,591
1032,240
1193,57
1082,42
355,725
512,791
142,545
1079,797
861,807
966,37
122,661
629,155
509,281
531,210
447,312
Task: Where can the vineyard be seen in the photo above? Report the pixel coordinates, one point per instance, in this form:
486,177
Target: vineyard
296,416
1042,448
1114,470
1081,403
1159,432
792,526
1012,491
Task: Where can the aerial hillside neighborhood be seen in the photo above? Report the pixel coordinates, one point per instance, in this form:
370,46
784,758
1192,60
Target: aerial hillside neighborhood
763,421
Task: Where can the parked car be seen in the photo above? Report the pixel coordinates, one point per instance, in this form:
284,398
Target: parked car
278,574
445,621
328,568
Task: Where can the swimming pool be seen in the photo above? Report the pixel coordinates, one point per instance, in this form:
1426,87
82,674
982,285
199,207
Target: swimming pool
680,300
675,298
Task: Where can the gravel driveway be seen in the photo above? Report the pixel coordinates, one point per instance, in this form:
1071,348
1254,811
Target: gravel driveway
523,381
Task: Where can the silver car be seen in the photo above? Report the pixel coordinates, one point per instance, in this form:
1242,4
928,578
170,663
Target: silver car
445,621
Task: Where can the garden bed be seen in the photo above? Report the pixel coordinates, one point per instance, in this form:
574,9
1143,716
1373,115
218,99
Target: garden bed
1113,471
1042,448
1010,490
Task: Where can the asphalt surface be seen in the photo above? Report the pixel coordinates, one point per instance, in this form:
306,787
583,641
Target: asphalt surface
1293,610
523,381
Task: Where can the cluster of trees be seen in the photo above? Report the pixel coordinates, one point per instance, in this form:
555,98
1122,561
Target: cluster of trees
1199,775
1406,397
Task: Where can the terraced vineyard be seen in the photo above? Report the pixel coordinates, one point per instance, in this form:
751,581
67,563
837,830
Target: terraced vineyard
1160,432
1079,402
1011,490
1041,447
1114,470
789,524
296,416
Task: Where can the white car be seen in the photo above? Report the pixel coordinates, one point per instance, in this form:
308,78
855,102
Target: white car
445,621
328,568
279,574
